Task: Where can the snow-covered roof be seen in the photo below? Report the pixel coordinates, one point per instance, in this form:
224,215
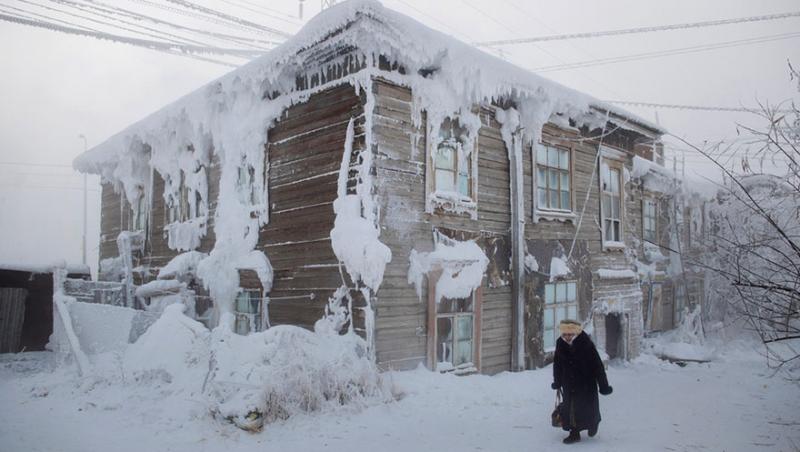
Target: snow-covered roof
378,31
45,268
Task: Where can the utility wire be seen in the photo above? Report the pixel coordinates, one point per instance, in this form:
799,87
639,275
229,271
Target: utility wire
174,49
690,107
229,18
597,34
679,51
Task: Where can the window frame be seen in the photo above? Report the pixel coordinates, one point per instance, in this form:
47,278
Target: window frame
450,201
653,219
607,161
554,305
433,334
548,210
260,319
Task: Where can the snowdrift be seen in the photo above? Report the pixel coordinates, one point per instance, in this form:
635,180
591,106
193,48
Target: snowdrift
248,380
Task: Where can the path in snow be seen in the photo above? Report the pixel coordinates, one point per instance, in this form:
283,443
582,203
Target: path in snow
729,405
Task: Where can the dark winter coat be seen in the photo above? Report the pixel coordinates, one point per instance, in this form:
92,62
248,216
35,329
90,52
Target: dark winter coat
578,371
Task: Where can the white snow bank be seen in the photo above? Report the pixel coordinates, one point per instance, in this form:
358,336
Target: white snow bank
462,264
173,350
286,370
684,343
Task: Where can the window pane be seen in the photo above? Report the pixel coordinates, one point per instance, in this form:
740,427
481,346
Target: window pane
242,324
571,291
564,180
565,201
549,319
542,197
541,177
553,198
561,314
606,206
564,160
463,184
549,339
553,182
549,293
552,157
561,293
608,232
445,158
616,231
614,180
445,180
242,302
444,340
572,312
541,154
614,207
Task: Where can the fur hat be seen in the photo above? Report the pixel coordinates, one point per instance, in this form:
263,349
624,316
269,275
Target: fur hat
570,326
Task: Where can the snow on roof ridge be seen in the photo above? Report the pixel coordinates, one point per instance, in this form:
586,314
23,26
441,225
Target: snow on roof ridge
407,35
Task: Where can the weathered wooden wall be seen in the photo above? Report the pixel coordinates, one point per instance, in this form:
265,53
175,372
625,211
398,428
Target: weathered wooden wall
401,329
305,152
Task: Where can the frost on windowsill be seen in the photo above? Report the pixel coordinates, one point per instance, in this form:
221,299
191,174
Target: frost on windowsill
554,215
453,202
461,369
613,245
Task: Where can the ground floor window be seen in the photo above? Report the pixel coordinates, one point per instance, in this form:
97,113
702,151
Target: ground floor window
560,302
455,330
249,311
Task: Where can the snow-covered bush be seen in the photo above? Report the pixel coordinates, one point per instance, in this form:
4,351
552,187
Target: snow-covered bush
286,370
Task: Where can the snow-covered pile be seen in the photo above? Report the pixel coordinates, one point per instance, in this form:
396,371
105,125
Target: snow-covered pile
687,342
286,370
173,350
255,379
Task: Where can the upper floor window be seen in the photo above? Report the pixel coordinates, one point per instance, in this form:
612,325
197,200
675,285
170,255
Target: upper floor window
560,302
140,211
553,178
452,161
649,215
611,203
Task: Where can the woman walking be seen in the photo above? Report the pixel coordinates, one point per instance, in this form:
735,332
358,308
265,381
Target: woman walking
578,371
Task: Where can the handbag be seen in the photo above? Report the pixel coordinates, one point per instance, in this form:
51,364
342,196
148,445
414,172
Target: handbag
555,417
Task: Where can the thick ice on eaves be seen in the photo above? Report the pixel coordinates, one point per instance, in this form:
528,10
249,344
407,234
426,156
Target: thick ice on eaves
471,74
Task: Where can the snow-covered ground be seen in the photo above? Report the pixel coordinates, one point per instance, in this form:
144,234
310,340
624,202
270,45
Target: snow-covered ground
730,404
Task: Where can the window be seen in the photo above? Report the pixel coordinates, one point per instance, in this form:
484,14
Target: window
553,178
455,338
649,215
611,203
452,162
560,302
140,211
246,184
248,311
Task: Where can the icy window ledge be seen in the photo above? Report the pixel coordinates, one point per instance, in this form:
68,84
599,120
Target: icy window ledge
555,215
611,246
452,202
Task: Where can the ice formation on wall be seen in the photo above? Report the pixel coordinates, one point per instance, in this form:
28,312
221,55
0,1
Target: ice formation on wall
462,265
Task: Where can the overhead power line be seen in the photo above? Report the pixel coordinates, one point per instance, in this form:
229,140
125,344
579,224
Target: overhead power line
689,107
172,48
597,34
670,52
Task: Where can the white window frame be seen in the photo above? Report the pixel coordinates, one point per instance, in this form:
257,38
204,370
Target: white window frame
612,159
433,337
451,200
547,168
561,303
653,220
254,321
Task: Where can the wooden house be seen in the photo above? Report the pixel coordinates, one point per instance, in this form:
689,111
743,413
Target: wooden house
349,174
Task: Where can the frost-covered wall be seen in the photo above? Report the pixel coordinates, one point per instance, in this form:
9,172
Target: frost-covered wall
254,165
